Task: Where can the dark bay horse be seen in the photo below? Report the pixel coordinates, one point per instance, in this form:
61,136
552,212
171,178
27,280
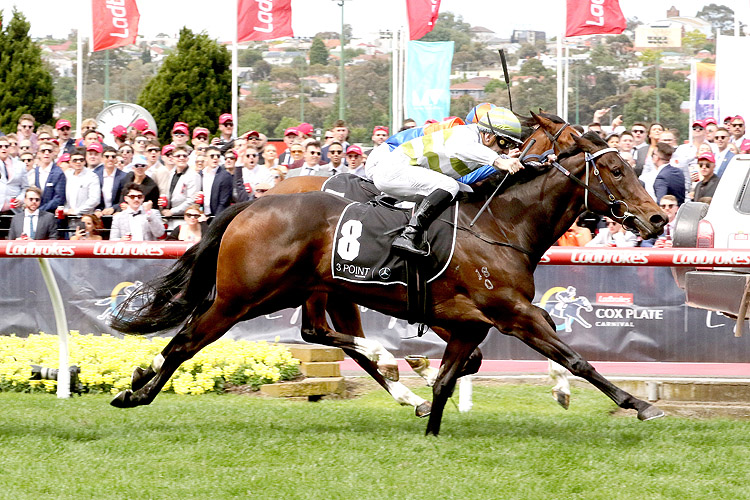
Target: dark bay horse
276,252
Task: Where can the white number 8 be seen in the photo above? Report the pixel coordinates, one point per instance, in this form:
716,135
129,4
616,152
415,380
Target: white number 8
348,247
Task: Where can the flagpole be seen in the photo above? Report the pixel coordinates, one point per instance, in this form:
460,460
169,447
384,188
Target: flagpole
235,63
566,89
79,82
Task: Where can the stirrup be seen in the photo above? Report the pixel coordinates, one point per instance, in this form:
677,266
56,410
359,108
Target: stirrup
406,243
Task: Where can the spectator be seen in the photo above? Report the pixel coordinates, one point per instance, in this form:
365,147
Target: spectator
33,223
180,131
669,179
230,160
226,131
737,130
146,184
336,154
575,236
341,133
249,176
723,154
156,169
94,152
138,221
595,127
150,135
88,124
305,130
127,153
13,182
297,152
644,158
25,130
111,181
136,128
628,157
90,136
82,189
379,135
276,176
200,137
711,128
627,143
67,143
216,184
408,123
708,181
182,185
140,144
13,149
119,135
49,178
614,235
668,203
88,228
613,140
354,159
255,141
290,135
328,138
311,164
685,155
270,156
194,226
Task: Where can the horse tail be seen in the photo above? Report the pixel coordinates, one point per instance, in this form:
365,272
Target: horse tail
185,292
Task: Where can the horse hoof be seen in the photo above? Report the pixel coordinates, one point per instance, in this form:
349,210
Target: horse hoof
423,410
122,400
650,413
389,372
562,398
138,379
417,361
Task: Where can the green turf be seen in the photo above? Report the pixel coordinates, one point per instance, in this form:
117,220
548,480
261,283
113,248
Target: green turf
515,444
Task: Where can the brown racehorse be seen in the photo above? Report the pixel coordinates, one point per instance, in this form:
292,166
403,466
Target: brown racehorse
265,257
553,134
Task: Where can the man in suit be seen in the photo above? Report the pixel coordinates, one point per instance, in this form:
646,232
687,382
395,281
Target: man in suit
139,221
12,183
669,179
216,184
247,177
723,154
111,181
32,223
312,160
182,184
49,178
640,146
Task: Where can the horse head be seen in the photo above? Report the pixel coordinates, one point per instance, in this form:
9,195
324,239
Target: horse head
612,186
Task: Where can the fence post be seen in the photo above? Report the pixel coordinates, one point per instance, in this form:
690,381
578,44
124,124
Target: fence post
61,322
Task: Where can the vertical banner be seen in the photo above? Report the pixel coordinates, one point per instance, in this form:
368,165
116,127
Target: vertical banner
115,23
731,87
594,17
704,100
428,70
263,19
423,15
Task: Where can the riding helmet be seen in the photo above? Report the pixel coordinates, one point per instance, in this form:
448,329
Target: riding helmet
501,122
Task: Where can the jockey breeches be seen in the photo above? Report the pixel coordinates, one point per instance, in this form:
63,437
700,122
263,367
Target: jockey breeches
393,174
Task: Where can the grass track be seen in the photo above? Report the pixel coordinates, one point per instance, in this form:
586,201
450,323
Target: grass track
515,444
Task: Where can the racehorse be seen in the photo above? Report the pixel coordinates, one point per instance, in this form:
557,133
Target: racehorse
275,253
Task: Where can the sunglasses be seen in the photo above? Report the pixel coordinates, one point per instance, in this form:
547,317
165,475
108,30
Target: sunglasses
738,124
201,137
45,151
353,155
233,158
110,155
668,205
181,156
126,151
154,150
4,146
77,160
335,151
297,151
721,137
33,199
139,165
179,133
697,129
704,165
193,216
27,126
638,131
251,155
27,160
135,196
64,129
228,124
214,155
314,153
24,147
202,149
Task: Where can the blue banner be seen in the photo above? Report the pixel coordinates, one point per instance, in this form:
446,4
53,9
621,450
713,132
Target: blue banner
427,88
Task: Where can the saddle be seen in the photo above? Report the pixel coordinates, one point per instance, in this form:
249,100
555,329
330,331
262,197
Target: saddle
363,238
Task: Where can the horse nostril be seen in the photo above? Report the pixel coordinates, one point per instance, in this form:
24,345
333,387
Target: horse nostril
658,220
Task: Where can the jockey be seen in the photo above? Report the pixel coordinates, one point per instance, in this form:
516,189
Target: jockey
428,166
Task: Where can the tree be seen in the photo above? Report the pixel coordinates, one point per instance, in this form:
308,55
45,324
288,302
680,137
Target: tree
261,70
146,55
693,41
193,85
449,27
721,17
248,57
25,82
318,52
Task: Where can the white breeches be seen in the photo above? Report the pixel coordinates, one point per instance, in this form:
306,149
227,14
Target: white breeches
393,175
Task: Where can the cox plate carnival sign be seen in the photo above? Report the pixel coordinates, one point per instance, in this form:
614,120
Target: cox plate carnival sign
115,23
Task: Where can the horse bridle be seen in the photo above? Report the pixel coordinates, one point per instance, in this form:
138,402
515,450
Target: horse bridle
590,158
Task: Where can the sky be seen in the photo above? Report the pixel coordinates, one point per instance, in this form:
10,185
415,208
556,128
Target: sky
58,17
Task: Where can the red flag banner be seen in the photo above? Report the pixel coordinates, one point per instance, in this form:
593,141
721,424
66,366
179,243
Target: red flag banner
594,17
423,15
115,23
263,19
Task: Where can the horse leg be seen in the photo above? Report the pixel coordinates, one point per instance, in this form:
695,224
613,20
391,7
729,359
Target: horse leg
533,329
345,317
421,365
455,358
204,330
558,374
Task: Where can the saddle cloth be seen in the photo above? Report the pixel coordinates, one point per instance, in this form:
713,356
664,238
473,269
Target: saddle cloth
351,187
362,245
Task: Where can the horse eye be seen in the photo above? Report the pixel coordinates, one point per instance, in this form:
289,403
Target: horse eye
617,172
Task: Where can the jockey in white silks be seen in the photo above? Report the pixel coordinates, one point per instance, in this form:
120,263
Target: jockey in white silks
428,167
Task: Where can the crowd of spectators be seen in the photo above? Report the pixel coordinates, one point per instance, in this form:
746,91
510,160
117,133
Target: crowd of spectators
57,184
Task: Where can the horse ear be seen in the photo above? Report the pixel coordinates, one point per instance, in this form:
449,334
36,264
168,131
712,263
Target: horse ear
527,121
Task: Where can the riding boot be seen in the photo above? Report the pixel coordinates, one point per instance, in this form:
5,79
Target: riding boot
411,238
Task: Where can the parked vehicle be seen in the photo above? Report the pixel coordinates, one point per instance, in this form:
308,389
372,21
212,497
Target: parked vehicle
725,223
